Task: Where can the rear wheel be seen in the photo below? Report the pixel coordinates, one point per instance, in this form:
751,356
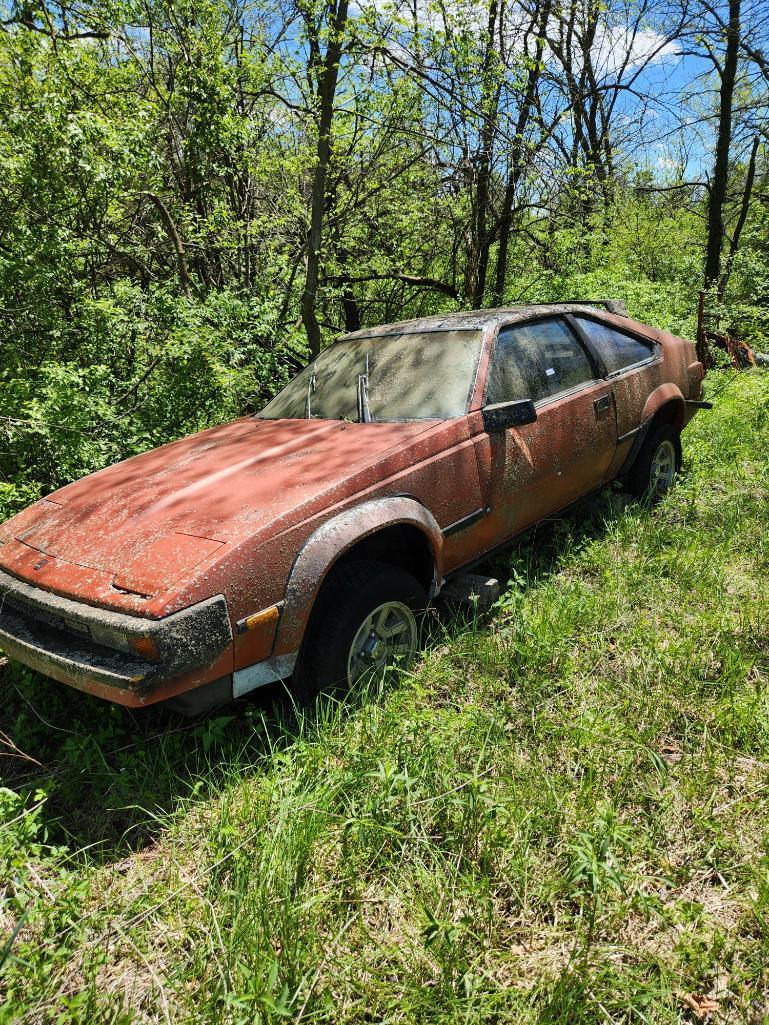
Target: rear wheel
367,616
658,462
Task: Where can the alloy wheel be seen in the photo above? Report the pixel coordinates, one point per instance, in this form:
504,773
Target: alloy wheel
663,468
388,633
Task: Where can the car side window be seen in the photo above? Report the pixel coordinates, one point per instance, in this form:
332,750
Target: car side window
536,361
616,349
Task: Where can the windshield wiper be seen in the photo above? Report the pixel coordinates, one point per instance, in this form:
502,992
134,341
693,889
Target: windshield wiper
364,413
311,385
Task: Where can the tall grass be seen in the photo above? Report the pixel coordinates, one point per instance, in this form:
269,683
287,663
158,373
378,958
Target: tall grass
559,816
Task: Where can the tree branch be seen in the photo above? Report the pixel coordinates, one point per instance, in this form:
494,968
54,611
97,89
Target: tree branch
173,234
26,21
415,280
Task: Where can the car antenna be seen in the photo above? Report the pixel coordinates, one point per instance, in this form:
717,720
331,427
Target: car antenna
311,385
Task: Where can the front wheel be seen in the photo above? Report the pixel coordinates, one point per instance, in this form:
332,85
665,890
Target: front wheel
367,616
658,462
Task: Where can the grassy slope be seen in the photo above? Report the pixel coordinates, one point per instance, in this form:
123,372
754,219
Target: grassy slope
560,816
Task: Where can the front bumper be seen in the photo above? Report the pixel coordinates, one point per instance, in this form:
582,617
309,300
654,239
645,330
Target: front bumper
56,637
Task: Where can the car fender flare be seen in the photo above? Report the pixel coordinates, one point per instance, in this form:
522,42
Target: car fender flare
666,393
331,540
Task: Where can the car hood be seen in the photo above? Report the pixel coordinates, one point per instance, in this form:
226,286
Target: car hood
153,518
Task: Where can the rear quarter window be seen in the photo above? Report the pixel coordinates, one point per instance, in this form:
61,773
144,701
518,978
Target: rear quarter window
617,349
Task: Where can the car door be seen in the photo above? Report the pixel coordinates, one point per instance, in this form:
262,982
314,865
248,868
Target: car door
534,470
633,368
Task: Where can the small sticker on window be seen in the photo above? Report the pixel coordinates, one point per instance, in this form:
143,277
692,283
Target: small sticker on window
550,372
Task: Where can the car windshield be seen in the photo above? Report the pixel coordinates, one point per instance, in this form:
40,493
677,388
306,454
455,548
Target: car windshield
420,375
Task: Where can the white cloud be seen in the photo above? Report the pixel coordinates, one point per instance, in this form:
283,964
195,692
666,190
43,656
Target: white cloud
619,47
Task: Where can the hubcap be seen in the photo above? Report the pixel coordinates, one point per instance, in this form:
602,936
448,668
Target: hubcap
388,633
663,468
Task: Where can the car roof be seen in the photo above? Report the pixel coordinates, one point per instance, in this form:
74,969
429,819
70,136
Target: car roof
479,319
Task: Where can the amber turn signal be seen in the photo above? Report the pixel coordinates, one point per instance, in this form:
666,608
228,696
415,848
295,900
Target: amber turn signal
145,647
262,618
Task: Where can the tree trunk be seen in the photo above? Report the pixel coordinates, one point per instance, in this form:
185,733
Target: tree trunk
518,154
176,240
326,94
743,216
719,184
489,104
350,307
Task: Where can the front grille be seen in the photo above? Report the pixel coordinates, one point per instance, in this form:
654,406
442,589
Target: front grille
48,643
47,618
46,630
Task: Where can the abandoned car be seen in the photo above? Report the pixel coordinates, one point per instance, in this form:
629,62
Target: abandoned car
301,543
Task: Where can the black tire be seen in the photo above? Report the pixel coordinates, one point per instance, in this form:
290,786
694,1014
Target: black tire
347,598
642,483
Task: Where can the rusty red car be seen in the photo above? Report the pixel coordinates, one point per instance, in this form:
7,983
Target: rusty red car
301,543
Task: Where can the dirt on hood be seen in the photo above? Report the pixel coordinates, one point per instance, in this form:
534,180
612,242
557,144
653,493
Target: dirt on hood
153,518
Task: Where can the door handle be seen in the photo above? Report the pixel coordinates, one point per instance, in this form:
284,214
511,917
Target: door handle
602,404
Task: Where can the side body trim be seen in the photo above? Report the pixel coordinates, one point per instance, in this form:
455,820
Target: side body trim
466,521
628,435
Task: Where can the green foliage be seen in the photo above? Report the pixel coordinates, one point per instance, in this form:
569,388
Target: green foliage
154,206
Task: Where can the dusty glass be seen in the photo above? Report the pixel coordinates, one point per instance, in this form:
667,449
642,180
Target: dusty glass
615,348
407,376
536,361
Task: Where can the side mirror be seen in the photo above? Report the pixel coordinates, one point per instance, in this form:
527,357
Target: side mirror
508,414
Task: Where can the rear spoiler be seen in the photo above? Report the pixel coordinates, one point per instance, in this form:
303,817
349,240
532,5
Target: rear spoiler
616,306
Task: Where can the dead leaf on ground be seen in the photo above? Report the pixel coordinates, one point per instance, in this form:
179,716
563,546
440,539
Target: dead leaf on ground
670,751
701,1005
